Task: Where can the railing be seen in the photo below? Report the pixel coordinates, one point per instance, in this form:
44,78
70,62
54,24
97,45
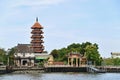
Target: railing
63,66
2,67
108,66
93,69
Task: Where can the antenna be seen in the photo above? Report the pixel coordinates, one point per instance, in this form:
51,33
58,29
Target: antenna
36,19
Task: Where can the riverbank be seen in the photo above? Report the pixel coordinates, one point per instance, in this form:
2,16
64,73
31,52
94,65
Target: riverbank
110,69
87,69
28,72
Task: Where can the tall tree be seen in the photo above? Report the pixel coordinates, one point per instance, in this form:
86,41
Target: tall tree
92,54
55,54
88,49
11,55
3,57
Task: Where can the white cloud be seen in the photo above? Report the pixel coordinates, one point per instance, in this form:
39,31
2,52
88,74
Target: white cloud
17,8
31,3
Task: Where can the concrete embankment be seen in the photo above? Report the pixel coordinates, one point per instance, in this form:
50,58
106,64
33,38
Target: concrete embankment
49,69
28,70
21,70
54,69
65,69
4,70
115,69
58,69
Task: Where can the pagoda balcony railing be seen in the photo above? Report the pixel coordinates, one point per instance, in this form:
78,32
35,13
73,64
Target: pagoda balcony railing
34,46
37,32
36,28
37,41
34,36
38,51
37,35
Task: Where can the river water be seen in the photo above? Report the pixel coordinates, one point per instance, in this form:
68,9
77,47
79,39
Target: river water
61,76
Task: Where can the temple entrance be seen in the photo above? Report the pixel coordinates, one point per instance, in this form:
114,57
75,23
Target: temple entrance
74,62
75,59
24,62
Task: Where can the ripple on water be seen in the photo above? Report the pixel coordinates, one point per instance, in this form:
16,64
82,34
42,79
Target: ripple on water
61,76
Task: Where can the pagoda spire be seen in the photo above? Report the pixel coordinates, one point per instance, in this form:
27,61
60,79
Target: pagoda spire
37,24
36,19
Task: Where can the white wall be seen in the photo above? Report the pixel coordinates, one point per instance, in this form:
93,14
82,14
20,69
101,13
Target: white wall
24,55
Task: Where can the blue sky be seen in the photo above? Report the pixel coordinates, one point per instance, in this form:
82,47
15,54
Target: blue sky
64,22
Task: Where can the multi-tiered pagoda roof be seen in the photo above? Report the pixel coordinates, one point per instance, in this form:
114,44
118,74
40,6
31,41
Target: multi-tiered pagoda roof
37,42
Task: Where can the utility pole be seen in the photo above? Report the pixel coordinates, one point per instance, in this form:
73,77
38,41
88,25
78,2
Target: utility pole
8,61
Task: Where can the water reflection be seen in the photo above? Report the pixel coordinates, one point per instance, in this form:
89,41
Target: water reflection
61,76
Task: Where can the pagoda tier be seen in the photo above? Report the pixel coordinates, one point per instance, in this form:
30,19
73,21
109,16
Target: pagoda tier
37,42
42,47
36,36
39,32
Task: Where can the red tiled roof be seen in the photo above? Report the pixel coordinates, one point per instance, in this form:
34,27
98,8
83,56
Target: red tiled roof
37,25
58,63
23,48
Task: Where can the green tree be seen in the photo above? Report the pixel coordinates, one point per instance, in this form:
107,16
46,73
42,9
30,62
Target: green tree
63,54
112,61
11,55
116,61
92,54
3,57
108,61
55,54
88,49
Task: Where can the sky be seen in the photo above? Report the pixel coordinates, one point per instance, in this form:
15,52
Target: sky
64,21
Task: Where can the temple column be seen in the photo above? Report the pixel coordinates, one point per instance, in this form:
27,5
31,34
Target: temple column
32,62
21,62
72,61
76,62
79,62
68,62
17,62
27,64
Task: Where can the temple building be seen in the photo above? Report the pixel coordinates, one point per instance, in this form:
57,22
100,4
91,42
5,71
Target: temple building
36,43
115,54
32,54
75,59
24,55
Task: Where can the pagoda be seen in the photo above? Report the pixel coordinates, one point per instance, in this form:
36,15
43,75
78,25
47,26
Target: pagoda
37,42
